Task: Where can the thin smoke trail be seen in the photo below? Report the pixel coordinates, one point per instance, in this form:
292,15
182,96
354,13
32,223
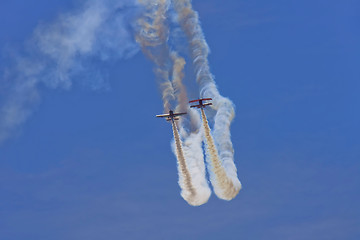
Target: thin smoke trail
152,36
188,192
177,77
189,22
223,186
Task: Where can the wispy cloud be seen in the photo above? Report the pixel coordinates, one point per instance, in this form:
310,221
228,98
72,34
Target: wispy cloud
63,50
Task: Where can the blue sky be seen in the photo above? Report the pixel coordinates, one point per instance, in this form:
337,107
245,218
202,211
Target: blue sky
98,165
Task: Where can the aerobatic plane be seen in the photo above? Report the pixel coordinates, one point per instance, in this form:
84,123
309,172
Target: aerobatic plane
201,102
171,116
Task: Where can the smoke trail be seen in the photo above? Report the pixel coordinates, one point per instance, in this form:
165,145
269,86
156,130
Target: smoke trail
61,50
223,186
177,77
152,35
188,192
223,107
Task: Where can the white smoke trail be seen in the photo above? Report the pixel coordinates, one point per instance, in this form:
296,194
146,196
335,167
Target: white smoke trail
59,51
224,108
188,192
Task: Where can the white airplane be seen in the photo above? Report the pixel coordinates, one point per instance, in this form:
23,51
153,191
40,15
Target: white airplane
171,116
201,104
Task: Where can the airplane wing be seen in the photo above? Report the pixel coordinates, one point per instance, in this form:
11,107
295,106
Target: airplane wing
201,99
171,115
163,115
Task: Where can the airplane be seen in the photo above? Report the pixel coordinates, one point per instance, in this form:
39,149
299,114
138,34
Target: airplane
201,104
171,116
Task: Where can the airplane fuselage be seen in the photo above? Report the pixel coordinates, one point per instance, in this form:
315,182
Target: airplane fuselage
171,116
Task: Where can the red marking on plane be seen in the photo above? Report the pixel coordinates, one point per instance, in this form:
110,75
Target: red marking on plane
201,103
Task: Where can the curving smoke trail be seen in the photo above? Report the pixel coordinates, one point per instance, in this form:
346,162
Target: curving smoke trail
152,35
189,22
